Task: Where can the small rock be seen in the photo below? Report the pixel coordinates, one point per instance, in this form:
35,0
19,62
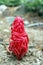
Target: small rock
26,63
1,22
26,22
3,8
0,12
38,53
21,64
36,63
6,30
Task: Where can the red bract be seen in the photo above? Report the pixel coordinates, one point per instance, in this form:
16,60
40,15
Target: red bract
19,39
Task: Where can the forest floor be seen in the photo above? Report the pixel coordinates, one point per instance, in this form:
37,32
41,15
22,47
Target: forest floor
34,55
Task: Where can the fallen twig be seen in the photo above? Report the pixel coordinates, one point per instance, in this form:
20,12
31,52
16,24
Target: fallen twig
34,25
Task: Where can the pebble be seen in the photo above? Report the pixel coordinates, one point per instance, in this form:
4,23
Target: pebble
6,30
0,12
1,22
26,22
26,63
38,53
36,63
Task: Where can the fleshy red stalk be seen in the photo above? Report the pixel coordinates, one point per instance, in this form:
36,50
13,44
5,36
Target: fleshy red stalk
19,43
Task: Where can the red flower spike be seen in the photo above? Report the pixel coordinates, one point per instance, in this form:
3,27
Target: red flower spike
19,39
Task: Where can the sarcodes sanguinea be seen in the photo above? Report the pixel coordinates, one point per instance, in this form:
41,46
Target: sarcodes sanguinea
19,39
